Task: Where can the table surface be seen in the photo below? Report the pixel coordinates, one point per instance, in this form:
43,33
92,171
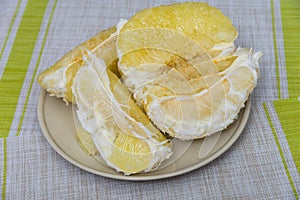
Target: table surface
264,163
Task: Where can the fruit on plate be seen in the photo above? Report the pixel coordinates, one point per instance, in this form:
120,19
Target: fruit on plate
182,66
141,147
58,79
122,133
173,69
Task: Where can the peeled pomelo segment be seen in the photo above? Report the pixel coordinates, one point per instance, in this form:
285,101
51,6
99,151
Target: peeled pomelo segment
201,22
58,79
177,28
122,133
208,111
120,104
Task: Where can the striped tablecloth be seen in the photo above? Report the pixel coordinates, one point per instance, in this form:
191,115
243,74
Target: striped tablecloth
264,163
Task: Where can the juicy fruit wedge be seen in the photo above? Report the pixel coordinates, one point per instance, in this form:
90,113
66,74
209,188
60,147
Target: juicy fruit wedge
58,79
208,111
122,133
204,24
183,69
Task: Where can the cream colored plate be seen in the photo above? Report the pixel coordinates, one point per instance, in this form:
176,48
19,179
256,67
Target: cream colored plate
57,123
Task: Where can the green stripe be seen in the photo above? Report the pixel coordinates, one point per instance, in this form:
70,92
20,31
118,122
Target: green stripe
9,29
275,50
35,69
4,169
288,112
291,30
280,150
19,59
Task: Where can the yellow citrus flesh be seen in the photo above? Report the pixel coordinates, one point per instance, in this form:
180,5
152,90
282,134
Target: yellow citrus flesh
202,23
72,62
174,40
122,133
182,66
180,71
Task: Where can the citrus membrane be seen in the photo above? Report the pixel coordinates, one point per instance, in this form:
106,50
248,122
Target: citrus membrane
122,133
182,66
173,69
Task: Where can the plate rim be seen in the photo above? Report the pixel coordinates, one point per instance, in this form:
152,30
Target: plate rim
41,118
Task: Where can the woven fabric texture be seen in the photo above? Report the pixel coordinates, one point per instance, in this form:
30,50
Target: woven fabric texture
263,163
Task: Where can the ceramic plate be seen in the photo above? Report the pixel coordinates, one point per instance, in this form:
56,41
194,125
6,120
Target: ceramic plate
57,124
